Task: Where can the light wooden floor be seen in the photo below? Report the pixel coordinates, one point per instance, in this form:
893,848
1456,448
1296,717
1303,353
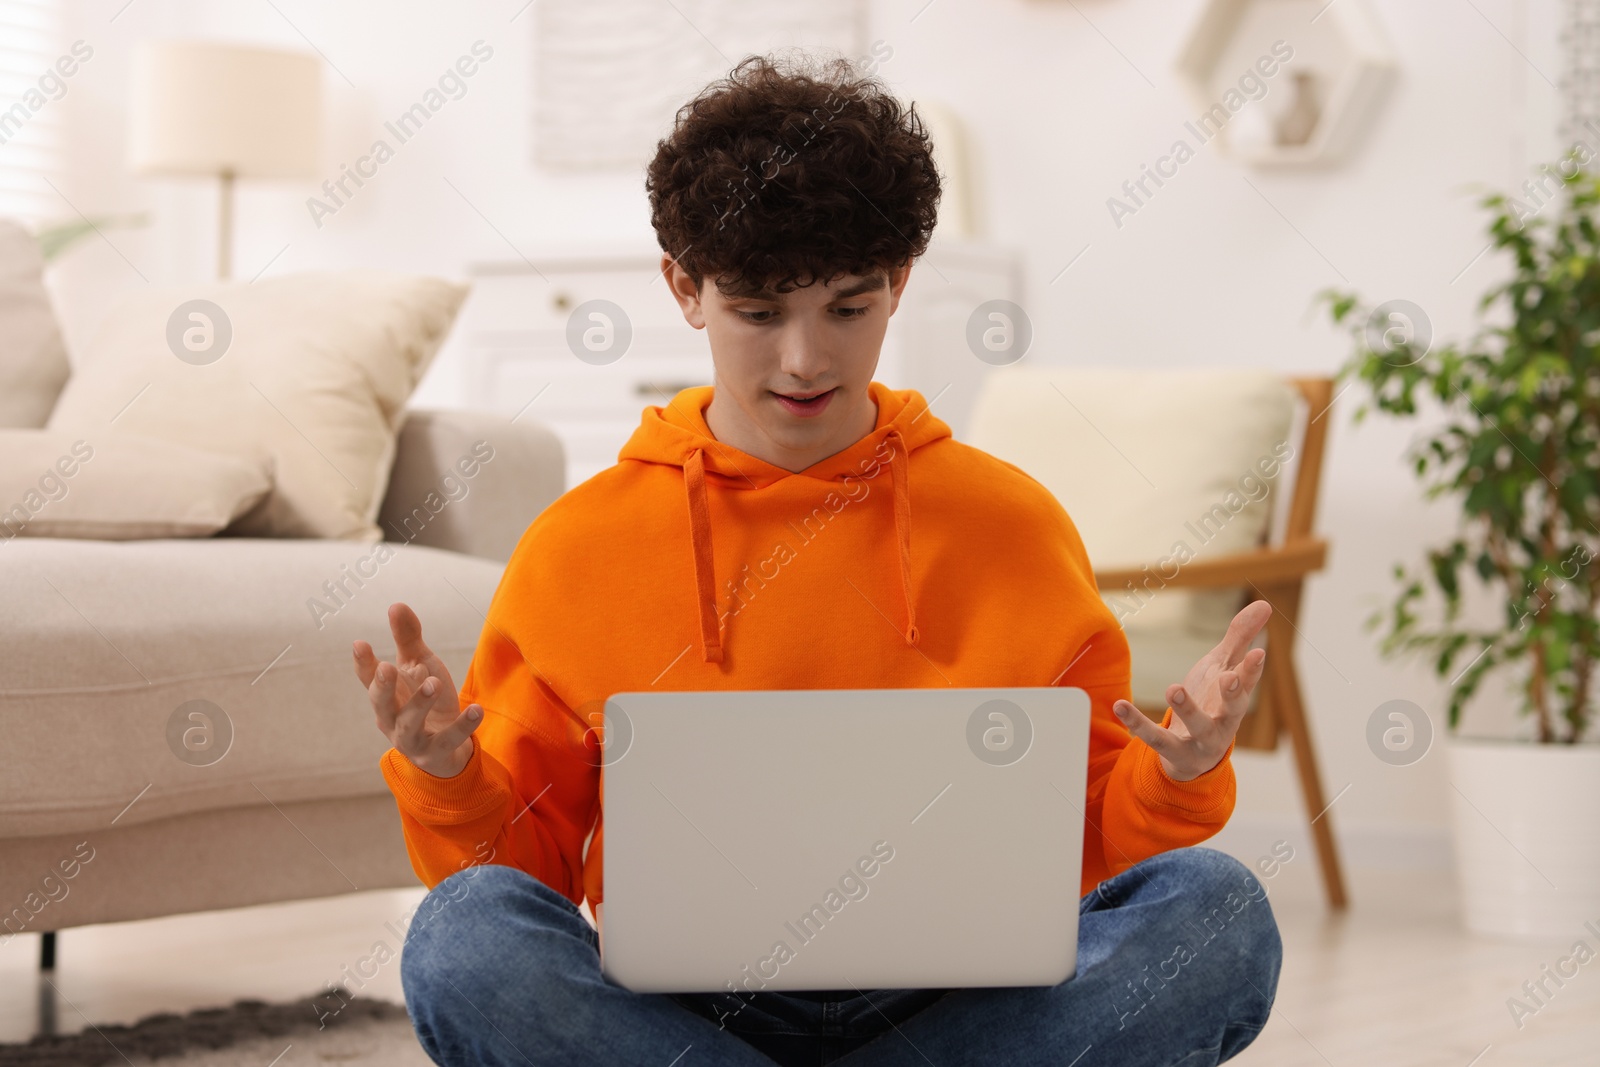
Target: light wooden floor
1397,982
1394,982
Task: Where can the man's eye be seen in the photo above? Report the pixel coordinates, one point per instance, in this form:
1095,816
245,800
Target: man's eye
755,316
853,313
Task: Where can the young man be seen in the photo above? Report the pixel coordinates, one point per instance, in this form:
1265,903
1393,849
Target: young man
799,525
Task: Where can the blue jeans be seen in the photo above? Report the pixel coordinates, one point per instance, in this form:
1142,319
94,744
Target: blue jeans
1178,961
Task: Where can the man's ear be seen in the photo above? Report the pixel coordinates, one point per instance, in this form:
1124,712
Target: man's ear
684,291
898,276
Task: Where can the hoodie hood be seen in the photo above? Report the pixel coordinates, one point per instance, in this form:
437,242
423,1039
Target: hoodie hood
677,435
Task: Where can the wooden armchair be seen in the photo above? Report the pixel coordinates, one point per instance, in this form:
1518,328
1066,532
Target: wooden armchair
1276,574
1128,458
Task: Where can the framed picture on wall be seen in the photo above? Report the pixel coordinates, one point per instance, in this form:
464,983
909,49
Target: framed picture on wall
609,77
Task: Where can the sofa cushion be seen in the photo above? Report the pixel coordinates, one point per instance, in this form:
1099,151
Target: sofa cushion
111,644
33,358
54,483
312,370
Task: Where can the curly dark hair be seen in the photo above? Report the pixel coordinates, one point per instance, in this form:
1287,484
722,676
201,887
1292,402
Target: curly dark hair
783,174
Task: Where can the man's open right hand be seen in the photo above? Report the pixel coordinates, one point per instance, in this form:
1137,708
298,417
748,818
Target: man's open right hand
415,700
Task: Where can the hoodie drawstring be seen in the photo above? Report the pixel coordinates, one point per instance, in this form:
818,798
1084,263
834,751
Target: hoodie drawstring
694,479
901,473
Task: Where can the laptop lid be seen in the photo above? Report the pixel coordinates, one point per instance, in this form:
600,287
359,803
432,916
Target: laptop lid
835,838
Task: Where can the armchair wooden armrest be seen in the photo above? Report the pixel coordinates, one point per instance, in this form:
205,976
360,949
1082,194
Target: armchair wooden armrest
1265,566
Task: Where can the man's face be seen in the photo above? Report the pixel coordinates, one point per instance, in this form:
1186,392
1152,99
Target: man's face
771,348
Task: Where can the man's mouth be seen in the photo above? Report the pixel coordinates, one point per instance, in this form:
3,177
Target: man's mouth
806,405
806,398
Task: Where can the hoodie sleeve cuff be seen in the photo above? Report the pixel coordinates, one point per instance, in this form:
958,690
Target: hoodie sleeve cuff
1206,794
473,793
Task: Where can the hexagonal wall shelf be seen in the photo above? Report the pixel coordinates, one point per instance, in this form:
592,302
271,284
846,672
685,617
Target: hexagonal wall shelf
1286,81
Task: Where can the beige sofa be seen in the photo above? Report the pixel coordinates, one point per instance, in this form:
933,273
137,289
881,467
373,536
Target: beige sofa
104,641
181,727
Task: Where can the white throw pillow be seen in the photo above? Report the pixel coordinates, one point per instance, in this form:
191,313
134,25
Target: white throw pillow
33,358
118,487
310,371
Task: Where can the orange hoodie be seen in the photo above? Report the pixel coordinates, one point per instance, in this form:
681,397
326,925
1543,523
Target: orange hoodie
690,565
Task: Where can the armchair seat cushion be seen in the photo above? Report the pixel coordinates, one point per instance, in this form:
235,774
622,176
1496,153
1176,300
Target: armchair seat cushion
109,643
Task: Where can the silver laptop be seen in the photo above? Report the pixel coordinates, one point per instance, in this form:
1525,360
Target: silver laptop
828,839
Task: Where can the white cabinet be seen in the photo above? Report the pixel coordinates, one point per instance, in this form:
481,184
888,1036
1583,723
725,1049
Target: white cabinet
523,352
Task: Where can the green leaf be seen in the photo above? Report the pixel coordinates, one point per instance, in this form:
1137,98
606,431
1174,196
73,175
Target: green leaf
1517,450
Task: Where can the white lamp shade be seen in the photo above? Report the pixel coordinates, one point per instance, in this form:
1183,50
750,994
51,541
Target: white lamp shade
199,107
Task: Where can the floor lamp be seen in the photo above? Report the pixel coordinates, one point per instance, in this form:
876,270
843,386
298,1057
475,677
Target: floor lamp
225,111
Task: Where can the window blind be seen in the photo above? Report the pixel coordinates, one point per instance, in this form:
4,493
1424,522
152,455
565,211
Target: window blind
30,112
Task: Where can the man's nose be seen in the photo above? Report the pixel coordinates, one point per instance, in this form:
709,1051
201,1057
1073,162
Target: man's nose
803,354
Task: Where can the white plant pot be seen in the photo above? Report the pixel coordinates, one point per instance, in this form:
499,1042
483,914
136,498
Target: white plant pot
1527,847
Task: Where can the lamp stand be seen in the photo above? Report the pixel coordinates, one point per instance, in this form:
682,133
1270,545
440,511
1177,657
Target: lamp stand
225,228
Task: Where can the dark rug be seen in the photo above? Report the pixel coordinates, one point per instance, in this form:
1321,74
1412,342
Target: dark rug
167,1036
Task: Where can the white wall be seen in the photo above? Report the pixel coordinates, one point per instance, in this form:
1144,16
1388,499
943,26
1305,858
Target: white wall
1059,114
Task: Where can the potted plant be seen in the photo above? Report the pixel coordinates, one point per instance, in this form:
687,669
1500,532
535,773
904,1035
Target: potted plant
1516,593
